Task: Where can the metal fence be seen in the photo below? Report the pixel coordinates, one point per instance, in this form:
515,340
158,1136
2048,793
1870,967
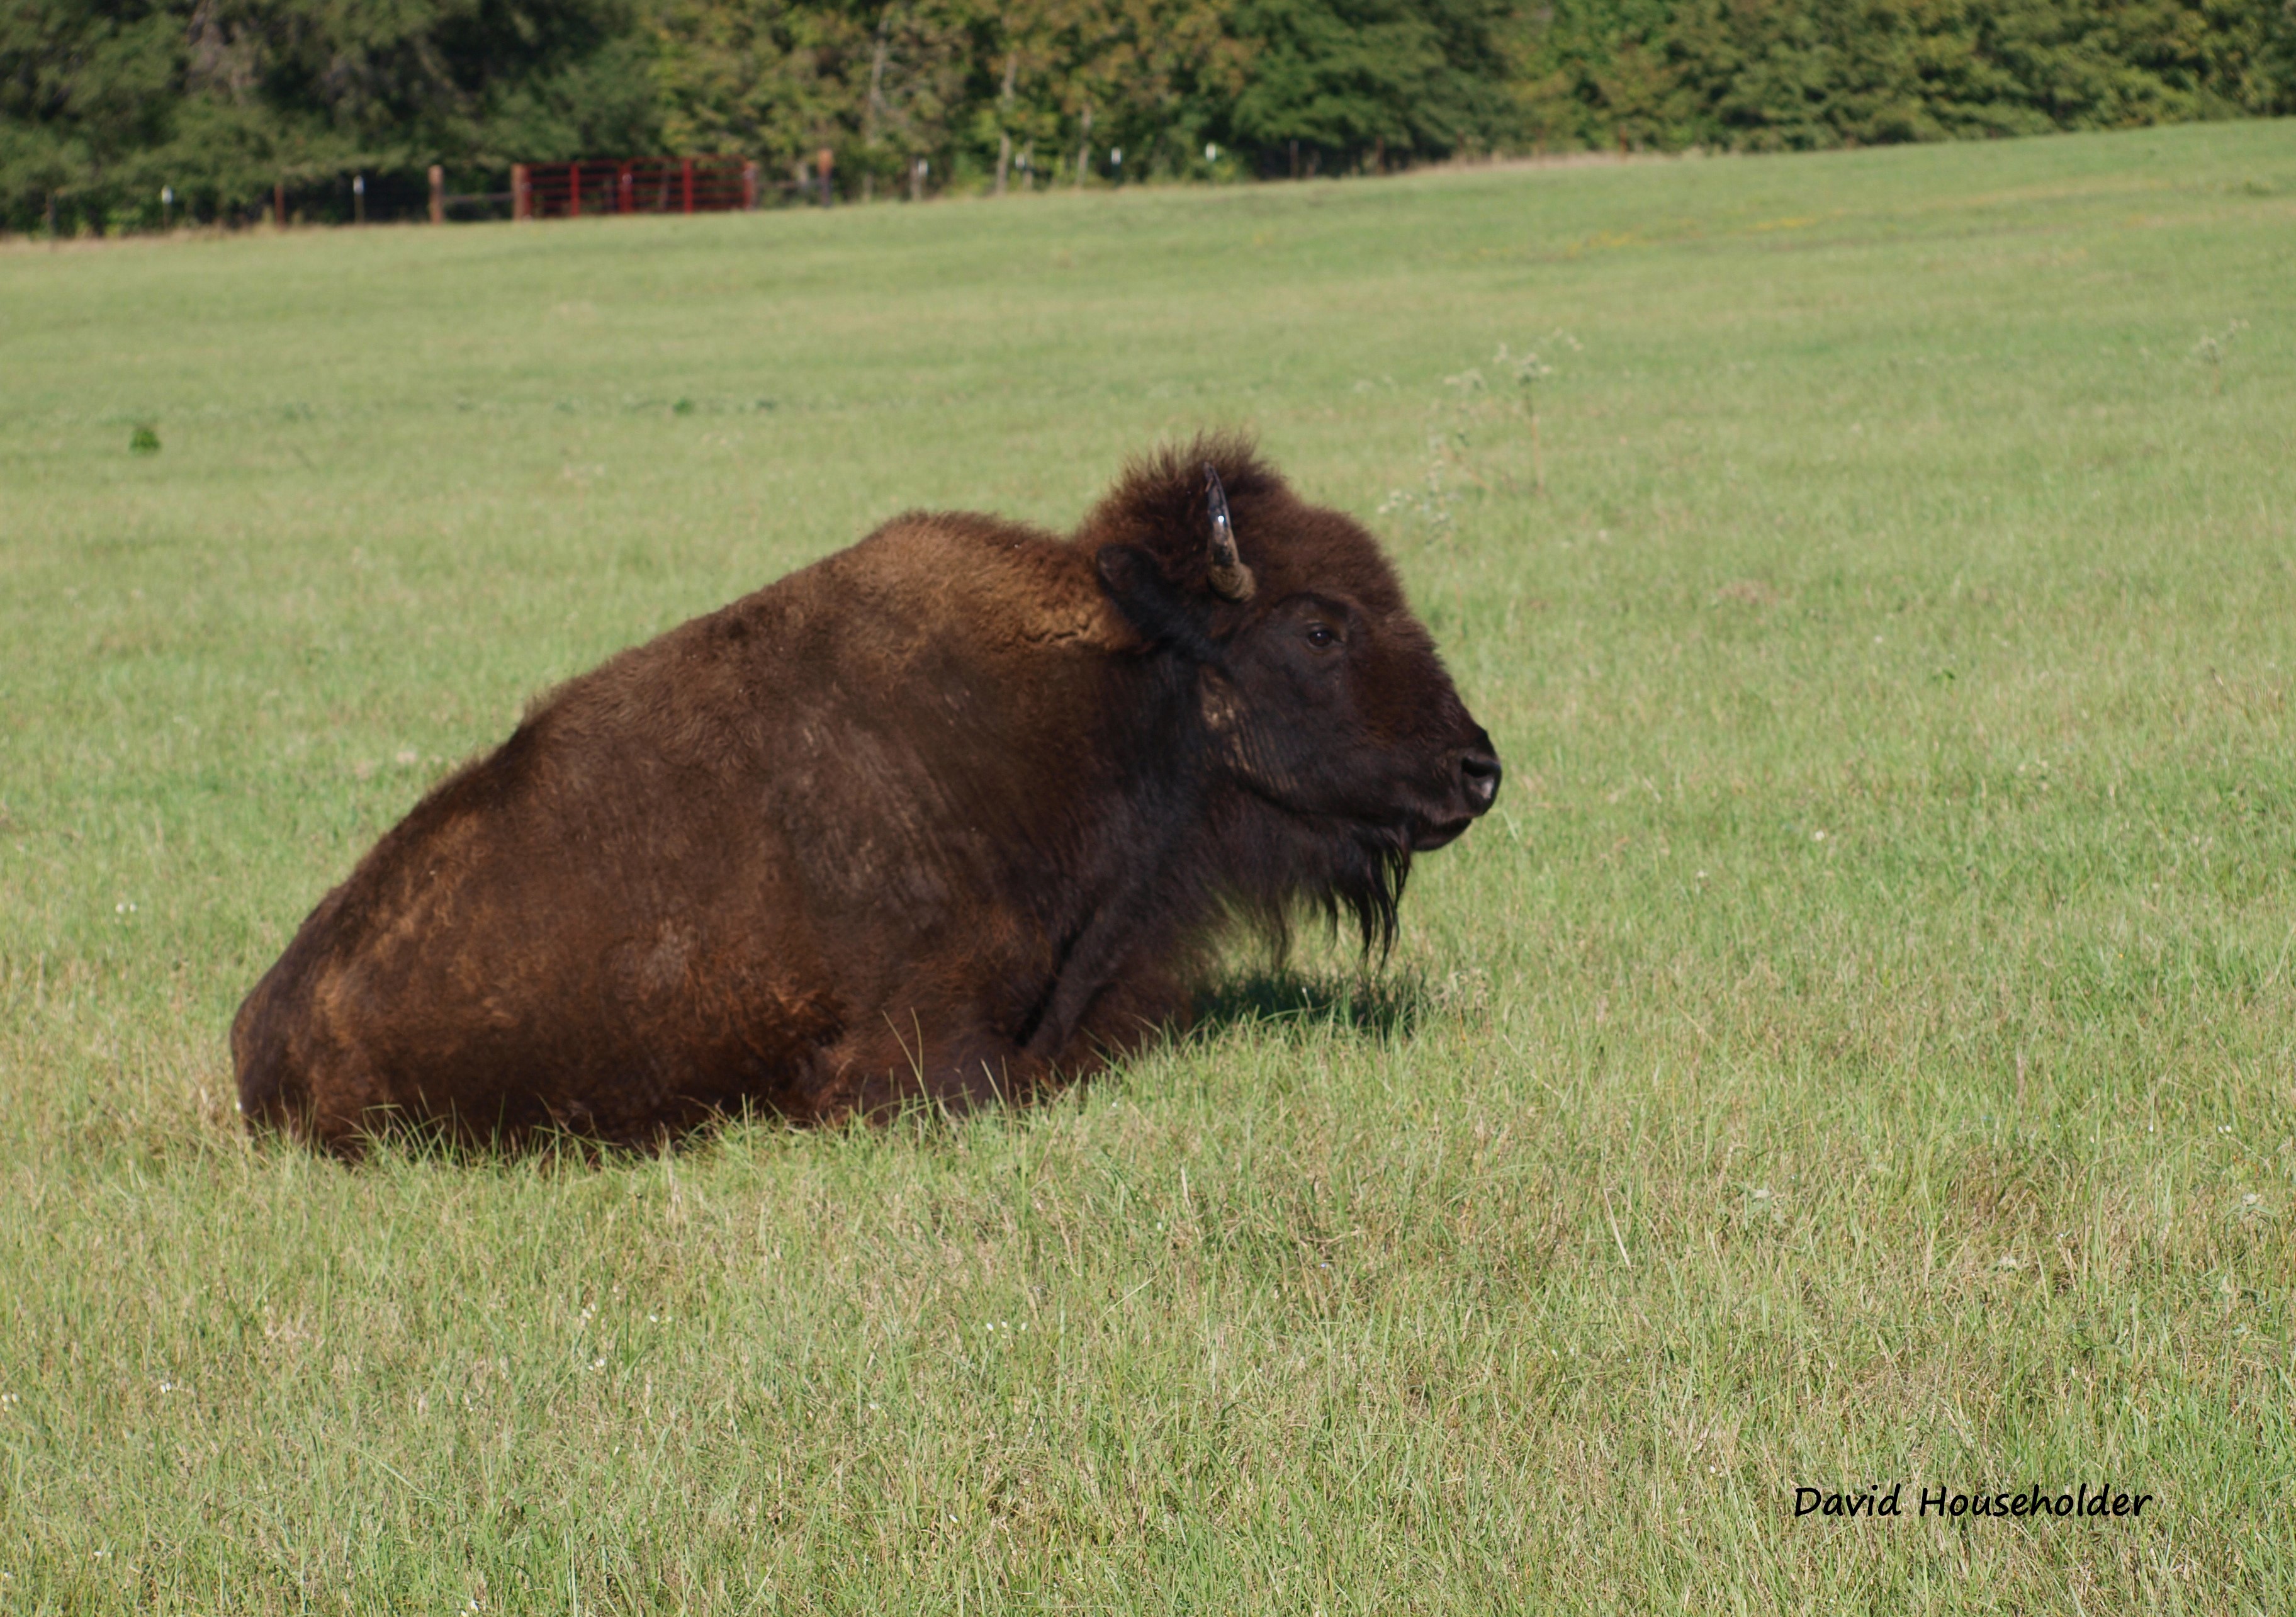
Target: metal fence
638,185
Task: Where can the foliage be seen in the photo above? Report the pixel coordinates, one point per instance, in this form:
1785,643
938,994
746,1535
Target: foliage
1763,75
951,84
1347,80
104,102
100,105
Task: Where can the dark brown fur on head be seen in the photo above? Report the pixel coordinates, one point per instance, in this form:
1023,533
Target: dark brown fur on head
952,814
1271,862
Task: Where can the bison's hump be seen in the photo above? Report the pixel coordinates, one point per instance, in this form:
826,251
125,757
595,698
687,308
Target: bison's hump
958,578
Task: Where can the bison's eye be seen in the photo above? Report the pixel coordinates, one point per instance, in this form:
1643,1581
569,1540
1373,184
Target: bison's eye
1321,638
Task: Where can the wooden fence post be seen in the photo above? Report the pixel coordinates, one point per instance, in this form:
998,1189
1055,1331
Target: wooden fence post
437,194
279,205
573,190
522,193
749,186
685,172
828,162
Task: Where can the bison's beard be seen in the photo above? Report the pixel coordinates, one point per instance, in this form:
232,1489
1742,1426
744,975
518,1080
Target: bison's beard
1369,886
1279,866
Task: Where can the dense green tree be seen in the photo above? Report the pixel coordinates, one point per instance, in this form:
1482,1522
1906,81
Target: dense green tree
1338,82
102,101
761,77
1767,74
86,93
1152,78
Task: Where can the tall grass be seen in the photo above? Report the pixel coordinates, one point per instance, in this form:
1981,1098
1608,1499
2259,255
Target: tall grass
1859,1049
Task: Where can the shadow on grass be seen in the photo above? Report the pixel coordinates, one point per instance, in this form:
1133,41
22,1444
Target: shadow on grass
1380,1008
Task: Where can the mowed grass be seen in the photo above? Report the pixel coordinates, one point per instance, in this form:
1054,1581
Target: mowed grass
1860,1049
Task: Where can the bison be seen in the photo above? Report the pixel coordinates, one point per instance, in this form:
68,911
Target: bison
954,813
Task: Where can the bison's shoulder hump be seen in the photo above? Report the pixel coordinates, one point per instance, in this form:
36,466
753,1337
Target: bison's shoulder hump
965,578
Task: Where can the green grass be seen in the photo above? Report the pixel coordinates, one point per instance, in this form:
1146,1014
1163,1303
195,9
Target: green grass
1860,1048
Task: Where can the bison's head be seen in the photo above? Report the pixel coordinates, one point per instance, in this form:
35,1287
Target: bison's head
1322,712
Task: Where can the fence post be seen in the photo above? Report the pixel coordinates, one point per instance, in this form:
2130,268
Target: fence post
437,194
573,190
828,161
279,205
686,169
749,186
522,194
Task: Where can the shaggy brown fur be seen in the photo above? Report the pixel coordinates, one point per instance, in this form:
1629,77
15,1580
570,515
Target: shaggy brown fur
952,814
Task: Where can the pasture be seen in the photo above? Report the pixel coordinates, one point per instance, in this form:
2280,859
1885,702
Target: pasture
1859,1049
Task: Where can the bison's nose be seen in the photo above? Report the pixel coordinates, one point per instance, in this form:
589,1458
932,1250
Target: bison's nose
1481,773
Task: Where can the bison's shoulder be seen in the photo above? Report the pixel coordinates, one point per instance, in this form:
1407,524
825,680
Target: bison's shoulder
957,579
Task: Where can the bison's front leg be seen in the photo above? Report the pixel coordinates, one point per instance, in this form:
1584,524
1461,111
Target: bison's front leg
1006,1024
956,1068
958,1062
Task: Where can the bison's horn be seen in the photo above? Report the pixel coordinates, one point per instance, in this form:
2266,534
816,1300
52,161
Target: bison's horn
1229,576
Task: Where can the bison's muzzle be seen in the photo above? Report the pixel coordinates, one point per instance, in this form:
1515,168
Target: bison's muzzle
1478,783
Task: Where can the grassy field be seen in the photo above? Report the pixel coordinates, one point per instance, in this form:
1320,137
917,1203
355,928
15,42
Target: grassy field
1860,1050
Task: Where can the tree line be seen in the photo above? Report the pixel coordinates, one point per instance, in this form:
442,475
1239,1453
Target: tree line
122,114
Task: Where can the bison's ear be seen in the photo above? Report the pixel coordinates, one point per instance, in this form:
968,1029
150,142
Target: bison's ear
1151,602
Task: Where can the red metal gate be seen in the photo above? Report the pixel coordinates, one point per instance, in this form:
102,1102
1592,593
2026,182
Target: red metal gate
637,184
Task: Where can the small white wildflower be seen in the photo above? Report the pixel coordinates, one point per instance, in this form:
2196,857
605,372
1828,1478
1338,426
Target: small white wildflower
1762,1193
1817,836
2009,1260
